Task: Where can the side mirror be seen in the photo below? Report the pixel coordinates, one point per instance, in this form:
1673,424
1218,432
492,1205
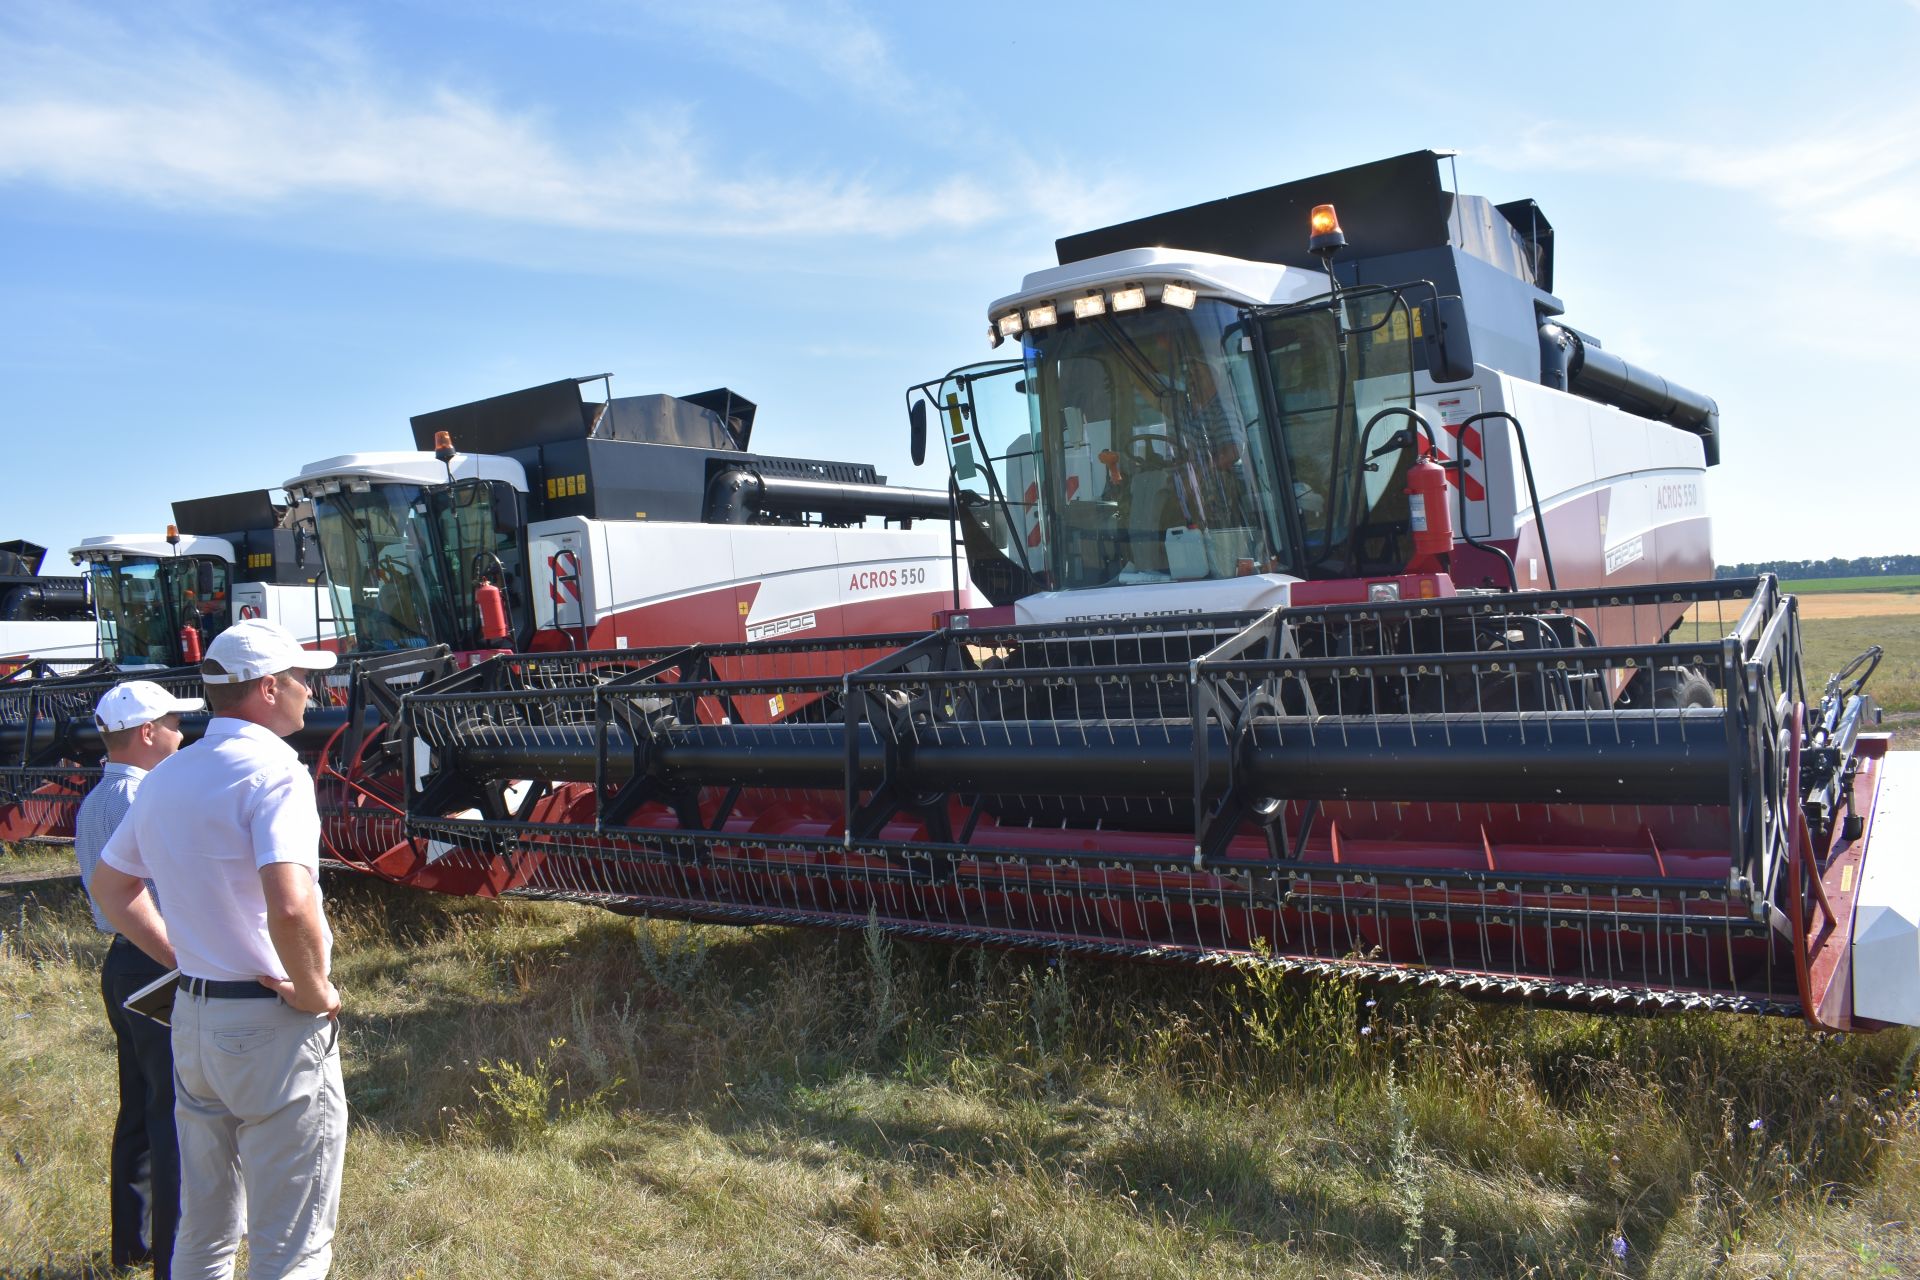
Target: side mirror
203,579
1443,330
917,432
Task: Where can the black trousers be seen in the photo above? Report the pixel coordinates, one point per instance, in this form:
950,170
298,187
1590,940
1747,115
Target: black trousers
145,1164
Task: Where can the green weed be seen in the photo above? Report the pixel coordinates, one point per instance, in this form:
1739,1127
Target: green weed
528,1098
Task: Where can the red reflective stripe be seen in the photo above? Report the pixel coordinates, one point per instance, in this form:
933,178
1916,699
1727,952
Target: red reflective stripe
1472,449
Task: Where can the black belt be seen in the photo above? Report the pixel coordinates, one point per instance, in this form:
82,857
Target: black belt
211,990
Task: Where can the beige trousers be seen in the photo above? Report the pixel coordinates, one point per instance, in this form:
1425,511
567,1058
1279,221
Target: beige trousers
262,1119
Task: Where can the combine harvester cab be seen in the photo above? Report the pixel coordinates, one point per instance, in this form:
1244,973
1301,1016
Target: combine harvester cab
544,522
160,599
1240,421
1336,625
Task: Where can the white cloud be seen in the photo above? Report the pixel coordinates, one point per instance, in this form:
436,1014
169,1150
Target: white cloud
1854,178
819,50
197,121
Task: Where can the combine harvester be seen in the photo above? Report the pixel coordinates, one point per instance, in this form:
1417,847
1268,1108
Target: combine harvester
572,523
159,600
162,598
43,619
1343,611
577,525
1350,613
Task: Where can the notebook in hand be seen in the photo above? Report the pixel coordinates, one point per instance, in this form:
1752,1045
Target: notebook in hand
156,998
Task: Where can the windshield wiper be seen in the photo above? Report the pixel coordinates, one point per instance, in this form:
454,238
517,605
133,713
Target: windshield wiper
1132,356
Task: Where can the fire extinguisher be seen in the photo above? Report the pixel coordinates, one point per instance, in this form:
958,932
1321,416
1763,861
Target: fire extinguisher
492,604
190,651
1428,512
490,601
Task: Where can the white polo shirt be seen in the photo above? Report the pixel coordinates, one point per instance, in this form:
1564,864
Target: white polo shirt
205,821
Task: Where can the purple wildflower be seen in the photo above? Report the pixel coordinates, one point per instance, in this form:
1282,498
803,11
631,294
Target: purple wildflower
1620,1248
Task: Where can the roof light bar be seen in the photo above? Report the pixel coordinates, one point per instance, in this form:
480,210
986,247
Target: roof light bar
1094,304
1010,325
1041,316
1179,295
1132,298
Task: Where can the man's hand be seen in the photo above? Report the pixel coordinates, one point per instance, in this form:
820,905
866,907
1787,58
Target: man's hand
325,1000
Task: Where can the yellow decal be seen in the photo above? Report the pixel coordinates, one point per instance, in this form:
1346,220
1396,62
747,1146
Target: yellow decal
1846,878
745,608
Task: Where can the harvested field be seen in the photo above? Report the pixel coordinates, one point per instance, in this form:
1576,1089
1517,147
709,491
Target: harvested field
1861,604
1901,582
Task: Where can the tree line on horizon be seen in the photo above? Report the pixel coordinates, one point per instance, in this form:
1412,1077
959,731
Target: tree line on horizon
1834,567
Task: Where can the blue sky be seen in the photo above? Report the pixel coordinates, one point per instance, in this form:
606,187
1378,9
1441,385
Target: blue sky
237,238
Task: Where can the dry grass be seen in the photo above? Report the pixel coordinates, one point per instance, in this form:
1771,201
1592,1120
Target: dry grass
553,1090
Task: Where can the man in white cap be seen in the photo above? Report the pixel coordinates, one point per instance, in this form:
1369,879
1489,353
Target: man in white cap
228,833
139,724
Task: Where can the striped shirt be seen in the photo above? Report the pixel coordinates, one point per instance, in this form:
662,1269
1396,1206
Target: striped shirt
100,813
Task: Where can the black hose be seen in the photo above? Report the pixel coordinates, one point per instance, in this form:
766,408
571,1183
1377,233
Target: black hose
49,599
736,495
1573,362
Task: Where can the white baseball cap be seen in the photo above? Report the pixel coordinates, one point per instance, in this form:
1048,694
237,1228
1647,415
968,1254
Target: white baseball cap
138,702
253,648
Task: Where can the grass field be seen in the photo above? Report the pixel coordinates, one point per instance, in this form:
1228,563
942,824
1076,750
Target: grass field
1876,583
554,1090
557,1091
1828,644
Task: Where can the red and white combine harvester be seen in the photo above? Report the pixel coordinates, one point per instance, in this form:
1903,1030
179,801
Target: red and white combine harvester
541,521
1338,609
158,599
162,598
569,524
1350,613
